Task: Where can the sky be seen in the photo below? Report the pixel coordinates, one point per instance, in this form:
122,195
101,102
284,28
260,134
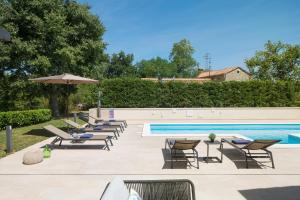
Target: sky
229,30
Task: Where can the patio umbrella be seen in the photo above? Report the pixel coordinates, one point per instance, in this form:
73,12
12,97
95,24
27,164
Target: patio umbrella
67,79
4,34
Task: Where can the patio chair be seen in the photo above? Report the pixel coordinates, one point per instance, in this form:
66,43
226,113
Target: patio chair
178,148
99,129
256,145
180,189
62,135
92,122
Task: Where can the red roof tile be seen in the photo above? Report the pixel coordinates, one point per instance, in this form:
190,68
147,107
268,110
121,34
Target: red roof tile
207,74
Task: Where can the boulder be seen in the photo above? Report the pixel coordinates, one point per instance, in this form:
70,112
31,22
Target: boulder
33,157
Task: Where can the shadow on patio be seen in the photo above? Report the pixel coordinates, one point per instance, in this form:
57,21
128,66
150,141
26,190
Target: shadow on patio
239,160
275,193
76,147
181,163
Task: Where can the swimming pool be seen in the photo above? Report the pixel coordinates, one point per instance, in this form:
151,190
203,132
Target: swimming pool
287,133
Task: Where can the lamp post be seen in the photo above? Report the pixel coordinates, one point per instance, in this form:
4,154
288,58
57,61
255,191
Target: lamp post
99,104
9,139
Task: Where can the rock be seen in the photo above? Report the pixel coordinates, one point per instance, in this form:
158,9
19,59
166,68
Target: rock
33,157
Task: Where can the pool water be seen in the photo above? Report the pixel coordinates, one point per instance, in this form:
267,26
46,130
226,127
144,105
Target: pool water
253,131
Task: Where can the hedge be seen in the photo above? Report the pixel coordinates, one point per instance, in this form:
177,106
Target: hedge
137,93
23,118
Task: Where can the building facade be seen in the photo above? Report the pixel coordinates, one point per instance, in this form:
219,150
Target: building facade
227,74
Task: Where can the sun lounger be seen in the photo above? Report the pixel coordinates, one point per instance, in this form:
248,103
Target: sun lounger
95,122
178,146
247,146
121,124
99,129
92,122
113,121
109,116
62,135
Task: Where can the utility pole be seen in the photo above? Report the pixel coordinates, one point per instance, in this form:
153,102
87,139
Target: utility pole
207,58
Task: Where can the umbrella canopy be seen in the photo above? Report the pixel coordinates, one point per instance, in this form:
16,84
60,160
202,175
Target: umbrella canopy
4,34
65,79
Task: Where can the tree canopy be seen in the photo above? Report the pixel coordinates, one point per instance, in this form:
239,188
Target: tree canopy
156,67
278,61
182,57
120,65
49,37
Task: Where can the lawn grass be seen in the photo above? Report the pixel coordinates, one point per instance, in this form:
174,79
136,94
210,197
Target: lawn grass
28,135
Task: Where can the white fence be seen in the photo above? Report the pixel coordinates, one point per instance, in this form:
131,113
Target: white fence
146,114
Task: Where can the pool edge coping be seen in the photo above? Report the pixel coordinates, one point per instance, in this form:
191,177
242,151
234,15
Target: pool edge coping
147,133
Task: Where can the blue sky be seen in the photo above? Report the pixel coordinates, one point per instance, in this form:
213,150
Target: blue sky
230,30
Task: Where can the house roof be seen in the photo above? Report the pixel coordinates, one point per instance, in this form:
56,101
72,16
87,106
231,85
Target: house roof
208,74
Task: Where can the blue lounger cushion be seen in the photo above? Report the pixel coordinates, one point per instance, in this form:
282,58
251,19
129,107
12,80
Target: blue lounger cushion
97,128
86,135
240,141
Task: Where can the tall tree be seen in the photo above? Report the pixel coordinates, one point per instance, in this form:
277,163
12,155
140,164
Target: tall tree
182,57
156,67
120,65
278,61
50,37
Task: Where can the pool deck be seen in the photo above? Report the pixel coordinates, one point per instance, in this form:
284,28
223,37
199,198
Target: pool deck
77,172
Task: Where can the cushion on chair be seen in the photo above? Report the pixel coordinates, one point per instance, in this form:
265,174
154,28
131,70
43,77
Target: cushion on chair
240,141
171,141
97,128
134,195
33,157
86,135
116,190
76,135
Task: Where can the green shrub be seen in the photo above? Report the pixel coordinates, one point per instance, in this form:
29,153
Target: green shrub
134,93
23,118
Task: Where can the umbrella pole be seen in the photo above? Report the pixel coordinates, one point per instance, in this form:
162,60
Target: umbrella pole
99,105
67,108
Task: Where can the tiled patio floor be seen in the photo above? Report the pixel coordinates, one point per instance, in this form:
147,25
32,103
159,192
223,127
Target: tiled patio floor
82,173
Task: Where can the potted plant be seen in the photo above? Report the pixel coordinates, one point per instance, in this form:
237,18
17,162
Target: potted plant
47,152
212,137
